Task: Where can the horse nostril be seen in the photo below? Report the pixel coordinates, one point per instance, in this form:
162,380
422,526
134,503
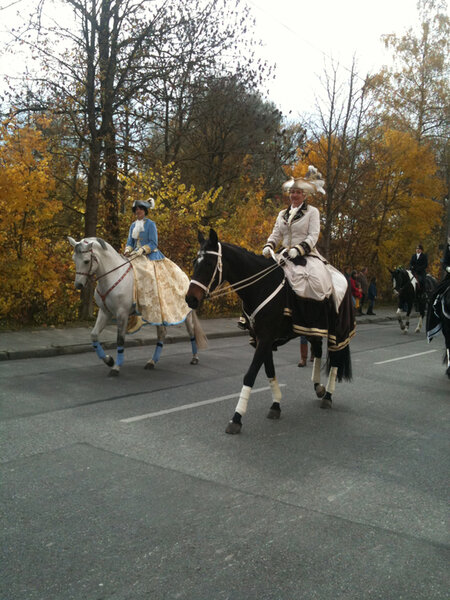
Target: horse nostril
78,286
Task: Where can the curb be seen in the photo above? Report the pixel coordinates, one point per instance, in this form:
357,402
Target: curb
82,348
49,351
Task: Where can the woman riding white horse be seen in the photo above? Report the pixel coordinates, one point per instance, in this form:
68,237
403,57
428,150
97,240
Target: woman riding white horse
160,285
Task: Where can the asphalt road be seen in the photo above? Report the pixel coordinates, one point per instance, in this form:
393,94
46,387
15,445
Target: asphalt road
129,489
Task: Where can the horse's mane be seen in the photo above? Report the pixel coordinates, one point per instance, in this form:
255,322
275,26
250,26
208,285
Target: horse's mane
261,259
79,247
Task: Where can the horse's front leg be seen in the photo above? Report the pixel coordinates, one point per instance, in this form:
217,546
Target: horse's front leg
122,322
100,323
275,409
161,331
400,313
316,345
260,356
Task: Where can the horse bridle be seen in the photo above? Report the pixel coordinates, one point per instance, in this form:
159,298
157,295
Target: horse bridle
91,275
218,268
242,284
93,258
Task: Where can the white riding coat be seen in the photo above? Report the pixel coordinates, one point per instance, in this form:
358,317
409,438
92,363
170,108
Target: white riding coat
316,280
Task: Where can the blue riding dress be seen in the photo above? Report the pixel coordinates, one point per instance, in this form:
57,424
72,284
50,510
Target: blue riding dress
147,239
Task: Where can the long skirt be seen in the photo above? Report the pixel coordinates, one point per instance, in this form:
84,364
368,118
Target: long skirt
313,278
160,287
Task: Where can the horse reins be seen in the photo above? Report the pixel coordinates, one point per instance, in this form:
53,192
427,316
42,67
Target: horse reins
239,285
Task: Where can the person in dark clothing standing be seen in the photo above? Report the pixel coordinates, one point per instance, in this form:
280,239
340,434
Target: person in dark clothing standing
372,294
418,265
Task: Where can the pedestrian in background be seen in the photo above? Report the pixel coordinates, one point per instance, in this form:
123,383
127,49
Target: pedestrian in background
355,290
364,284
372,294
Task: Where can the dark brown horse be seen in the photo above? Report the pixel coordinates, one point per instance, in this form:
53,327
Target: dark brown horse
275,315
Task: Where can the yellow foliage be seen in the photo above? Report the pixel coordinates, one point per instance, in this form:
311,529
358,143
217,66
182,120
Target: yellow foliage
31,266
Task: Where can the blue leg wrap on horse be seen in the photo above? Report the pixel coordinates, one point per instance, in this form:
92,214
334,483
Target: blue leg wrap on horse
157,352
120,355
194,345
99,350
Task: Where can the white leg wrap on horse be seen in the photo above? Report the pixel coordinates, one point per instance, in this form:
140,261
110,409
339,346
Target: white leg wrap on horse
241,407
315,377
331,384
448,357
276,392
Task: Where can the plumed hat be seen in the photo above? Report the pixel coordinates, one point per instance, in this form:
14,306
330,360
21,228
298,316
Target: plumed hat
312,182
144,204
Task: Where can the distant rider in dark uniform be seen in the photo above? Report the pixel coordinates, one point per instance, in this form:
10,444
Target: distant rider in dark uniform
418,265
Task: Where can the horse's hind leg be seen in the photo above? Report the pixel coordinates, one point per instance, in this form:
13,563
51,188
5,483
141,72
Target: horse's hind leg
161,336
316,345
329,391
189,322
275,409
102,320
419,325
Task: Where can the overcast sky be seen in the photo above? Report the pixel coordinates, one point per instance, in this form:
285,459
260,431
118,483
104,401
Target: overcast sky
300,36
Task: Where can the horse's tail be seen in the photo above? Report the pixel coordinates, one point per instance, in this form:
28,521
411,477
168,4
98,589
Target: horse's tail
343,361
200,338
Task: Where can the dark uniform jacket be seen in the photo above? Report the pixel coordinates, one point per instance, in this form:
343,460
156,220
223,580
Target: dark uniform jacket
418,266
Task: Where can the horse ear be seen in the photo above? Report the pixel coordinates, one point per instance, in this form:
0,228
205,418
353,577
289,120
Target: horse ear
213,237
200,237
71,241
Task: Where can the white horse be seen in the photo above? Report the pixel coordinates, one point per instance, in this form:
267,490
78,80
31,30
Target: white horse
94,257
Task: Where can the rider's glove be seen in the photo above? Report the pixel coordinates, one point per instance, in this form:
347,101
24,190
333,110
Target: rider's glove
266,250
128,250
447,269
299,250
139,252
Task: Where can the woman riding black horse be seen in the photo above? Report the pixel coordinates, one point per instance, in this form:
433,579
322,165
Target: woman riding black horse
315,304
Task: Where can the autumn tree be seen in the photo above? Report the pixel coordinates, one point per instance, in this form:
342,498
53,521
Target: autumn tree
33,265
414,94
335,143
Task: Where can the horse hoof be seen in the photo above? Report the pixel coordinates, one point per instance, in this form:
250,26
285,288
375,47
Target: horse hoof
109,361
405,331
150,365
113,373
326,403
233,428
417,330
194,360
319,389
273,413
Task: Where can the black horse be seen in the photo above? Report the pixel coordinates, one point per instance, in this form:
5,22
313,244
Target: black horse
409,294
438,318
276,315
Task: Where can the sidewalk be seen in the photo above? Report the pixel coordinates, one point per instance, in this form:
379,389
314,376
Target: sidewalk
54,341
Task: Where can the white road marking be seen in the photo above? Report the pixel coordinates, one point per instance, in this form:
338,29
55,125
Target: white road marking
189,406
383,362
